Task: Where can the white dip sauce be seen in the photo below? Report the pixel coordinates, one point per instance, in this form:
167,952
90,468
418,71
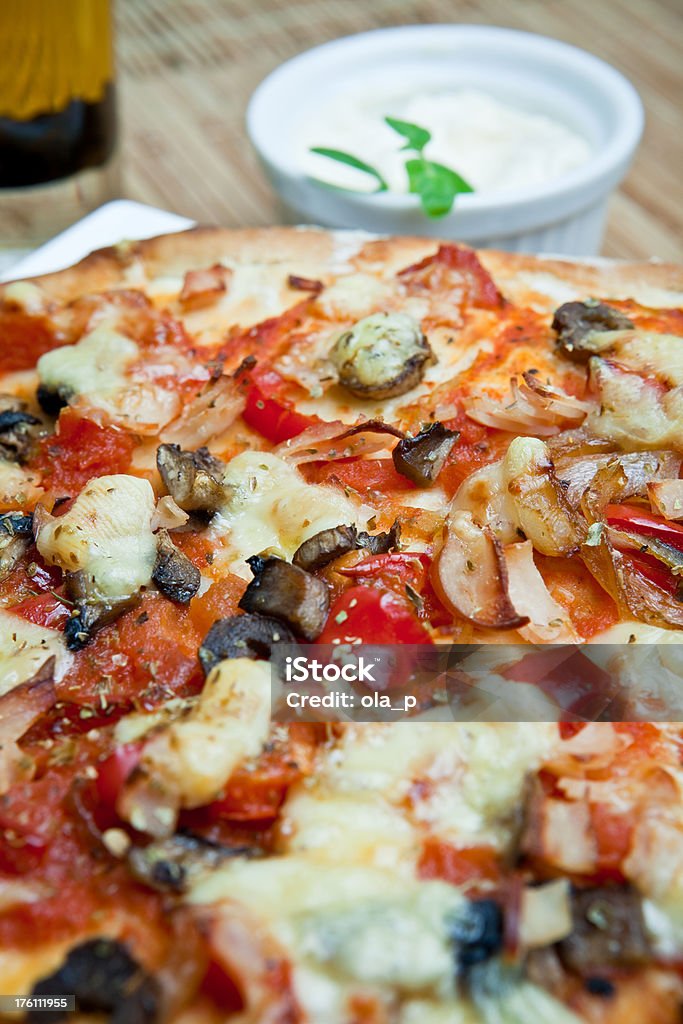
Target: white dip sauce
494,146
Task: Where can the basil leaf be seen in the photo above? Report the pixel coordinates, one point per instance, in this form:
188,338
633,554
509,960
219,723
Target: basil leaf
417,137
352,161
436,185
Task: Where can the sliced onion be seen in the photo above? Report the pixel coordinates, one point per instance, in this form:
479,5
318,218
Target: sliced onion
548,621
19,709
210,413
666,498
337,440
168,515
560,833
531,408
470,575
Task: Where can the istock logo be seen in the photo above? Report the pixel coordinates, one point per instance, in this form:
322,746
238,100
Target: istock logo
303,670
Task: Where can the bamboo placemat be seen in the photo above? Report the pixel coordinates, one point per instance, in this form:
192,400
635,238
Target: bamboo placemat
188,67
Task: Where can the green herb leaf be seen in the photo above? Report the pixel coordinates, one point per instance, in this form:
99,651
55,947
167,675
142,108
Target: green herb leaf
351,161
417,138
436,185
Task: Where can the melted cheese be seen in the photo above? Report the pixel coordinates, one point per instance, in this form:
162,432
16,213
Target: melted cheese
353,295
193,757
96,366
18,486
272,508
107,534
25,647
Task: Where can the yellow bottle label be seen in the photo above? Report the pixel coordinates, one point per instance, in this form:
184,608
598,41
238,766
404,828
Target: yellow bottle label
53,52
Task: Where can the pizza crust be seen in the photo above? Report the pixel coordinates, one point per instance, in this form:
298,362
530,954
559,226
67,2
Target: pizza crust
319,253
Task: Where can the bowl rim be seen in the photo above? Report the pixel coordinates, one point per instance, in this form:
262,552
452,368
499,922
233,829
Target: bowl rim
586,178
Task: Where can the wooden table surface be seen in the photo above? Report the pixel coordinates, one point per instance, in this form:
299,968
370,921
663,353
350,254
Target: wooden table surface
188,67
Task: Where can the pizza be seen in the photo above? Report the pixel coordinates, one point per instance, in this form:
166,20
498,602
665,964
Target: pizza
216,442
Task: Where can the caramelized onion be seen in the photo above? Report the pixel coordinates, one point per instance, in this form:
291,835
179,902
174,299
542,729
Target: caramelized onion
336,440
531,408
666,498
19,709
207,415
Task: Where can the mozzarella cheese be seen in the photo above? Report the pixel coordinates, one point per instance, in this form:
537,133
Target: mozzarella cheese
192,758
271,507
107,534
353,295
97,372
95,366
25,647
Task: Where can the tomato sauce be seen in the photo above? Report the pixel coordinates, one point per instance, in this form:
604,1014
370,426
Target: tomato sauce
80,450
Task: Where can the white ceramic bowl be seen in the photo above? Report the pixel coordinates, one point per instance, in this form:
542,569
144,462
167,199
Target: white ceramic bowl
564,216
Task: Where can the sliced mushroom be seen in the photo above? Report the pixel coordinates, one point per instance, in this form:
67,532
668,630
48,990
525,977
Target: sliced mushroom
91,611
104,978
15,535
18,431
174,574
168,864
608,930
421,458
323,547
576,322
243,636
193,479
470,575
287,592
380,543
382,355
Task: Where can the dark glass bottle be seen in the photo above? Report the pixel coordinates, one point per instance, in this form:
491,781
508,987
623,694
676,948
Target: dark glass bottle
57,114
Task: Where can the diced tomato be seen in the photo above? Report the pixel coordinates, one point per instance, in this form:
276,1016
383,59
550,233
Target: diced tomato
646,524
113,772
255,794
221,988
373,616
613,832
80,450
43,609
270,411
363,475
148,654
469,865
219,602
23,340
477,446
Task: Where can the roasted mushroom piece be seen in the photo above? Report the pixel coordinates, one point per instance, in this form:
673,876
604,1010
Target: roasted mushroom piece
193,479
91,611
576,322
15,535
421,458
382,355
18,430
243,636
609,930
323,547
168,864
52,400
289,593
104,978
174,574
